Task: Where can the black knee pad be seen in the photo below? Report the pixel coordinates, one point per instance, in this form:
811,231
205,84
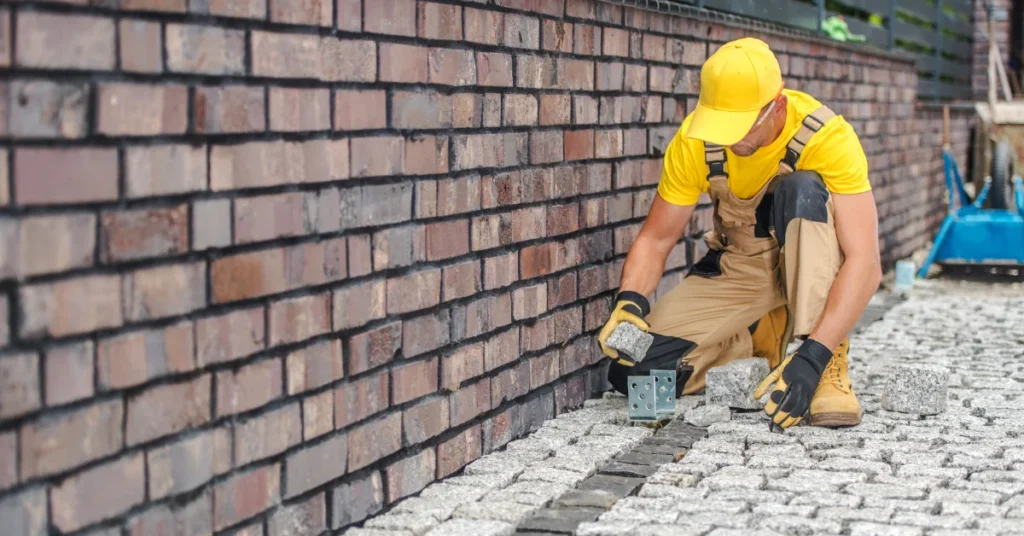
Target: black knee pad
801,194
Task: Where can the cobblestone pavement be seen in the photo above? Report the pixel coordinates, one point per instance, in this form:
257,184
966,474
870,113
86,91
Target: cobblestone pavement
961,472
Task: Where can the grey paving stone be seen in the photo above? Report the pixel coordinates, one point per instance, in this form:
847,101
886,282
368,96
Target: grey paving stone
795,525
607,528
702,519
743,532
720,446
972,510
358,531
562,520
852,464
630,340
781,462
582,466
657,490
665,478
843,514
1006,488
878,529
995,524
672,530
495,463
885,491
913,470
916,389
437,508
733,385
488,481
770,509
753,496
617,485
472,527
586,498
509,512
831,478
931,521
642,516
718,482
965,496
998,476
901,505
707,415
444,491
934,459
417,524
718,459
716,507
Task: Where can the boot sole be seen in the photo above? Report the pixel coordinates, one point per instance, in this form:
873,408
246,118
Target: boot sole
829,420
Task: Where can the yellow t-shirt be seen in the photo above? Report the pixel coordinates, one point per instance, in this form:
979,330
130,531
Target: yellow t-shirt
834,152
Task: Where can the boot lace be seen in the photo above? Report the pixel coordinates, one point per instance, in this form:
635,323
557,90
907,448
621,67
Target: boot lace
835,366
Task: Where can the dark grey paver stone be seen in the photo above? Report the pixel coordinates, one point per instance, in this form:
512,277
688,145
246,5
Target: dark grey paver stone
562,520
591,498
629,469
621,486
641,458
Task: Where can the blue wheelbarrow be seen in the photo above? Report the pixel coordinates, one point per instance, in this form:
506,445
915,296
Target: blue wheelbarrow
973,235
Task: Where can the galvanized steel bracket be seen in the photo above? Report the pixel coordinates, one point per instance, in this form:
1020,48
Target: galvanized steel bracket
652,397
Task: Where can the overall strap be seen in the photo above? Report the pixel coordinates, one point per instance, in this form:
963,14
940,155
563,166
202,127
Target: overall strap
714,156
811,125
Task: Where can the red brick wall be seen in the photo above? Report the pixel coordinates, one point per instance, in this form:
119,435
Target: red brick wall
272,264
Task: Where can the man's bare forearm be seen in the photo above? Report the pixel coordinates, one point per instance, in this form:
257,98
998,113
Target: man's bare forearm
851,291
644,266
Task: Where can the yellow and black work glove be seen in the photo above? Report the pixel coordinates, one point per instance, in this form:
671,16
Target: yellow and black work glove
795,381
630,307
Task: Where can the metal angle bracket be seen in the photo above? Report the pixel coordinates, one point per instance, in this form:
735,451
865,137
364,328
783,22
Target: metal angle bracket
652,397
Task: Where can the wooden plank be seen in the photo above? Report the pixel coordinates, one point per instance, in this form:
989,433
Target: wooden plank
918,8
917,34
785,12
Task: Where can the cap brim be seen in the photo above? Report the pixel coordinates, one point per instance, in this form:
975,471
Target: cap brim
720,127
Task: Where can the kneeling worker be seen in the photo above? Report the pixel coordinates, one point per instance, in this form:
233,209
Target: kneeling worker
793,252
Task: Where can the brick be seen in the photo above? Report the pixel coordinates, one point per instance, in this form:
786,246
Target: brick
311,12
465,363
410,475
381,155
266,272
611,76
136,109
9,458
403,63
469,402
249,387
636,78
163,291
75,503
562,219
538,336
529,302
228,109
615,42
229,336
520,110
357,400
168,409
200,49
447,239
510,384
298,319
596,313
420,110
521,31
371,349
20,385
544,369
489,150
359,109
439,21
5,179
481,316
45,109
426,155
458,195
307,517
557,36
350,15
528,224
164,170
585,108
399,246
418,290
143,233
69,372
58,443
555,109
357,500
452,67
457,452
191,518
314,366
562,291
360,259
59,41
484,26
317,415
579,144
290,55
211,224
461,280
271,163
654,47
608,143
166,6
70,306
414,380
374,440
189,463
501,270
393,17
545,147
384,204
250,9
297,109
268,434
70,240
562,73
586,39
356,305
316,465
467,110
246,494
5,41
490,231
25,512
50,176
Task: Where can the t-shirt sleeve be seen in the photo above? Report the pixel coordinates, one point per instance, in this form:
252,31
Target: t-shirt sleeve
837,155
677,184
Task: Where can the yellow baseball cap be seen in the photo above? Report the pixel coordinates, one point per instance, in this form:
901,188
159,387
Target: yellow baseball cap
737,80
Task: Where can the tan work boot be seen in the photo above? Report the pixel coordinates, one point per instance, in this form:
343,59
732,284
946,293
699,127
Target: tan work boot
834,403
771,337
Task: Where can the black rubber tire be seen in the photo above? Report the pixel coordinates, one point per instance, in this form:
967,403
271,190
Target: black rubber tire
1000,194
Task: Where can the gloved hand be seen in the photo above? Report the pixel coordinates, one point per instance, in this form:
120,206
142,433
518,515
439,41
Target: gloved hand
795,381
630,307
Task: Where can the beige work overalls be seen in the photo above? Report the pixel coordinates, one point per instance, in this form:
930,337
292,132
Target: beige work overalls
743,277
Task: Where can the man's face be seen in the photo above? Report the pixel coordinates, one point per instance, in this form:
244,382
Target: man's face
760,134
